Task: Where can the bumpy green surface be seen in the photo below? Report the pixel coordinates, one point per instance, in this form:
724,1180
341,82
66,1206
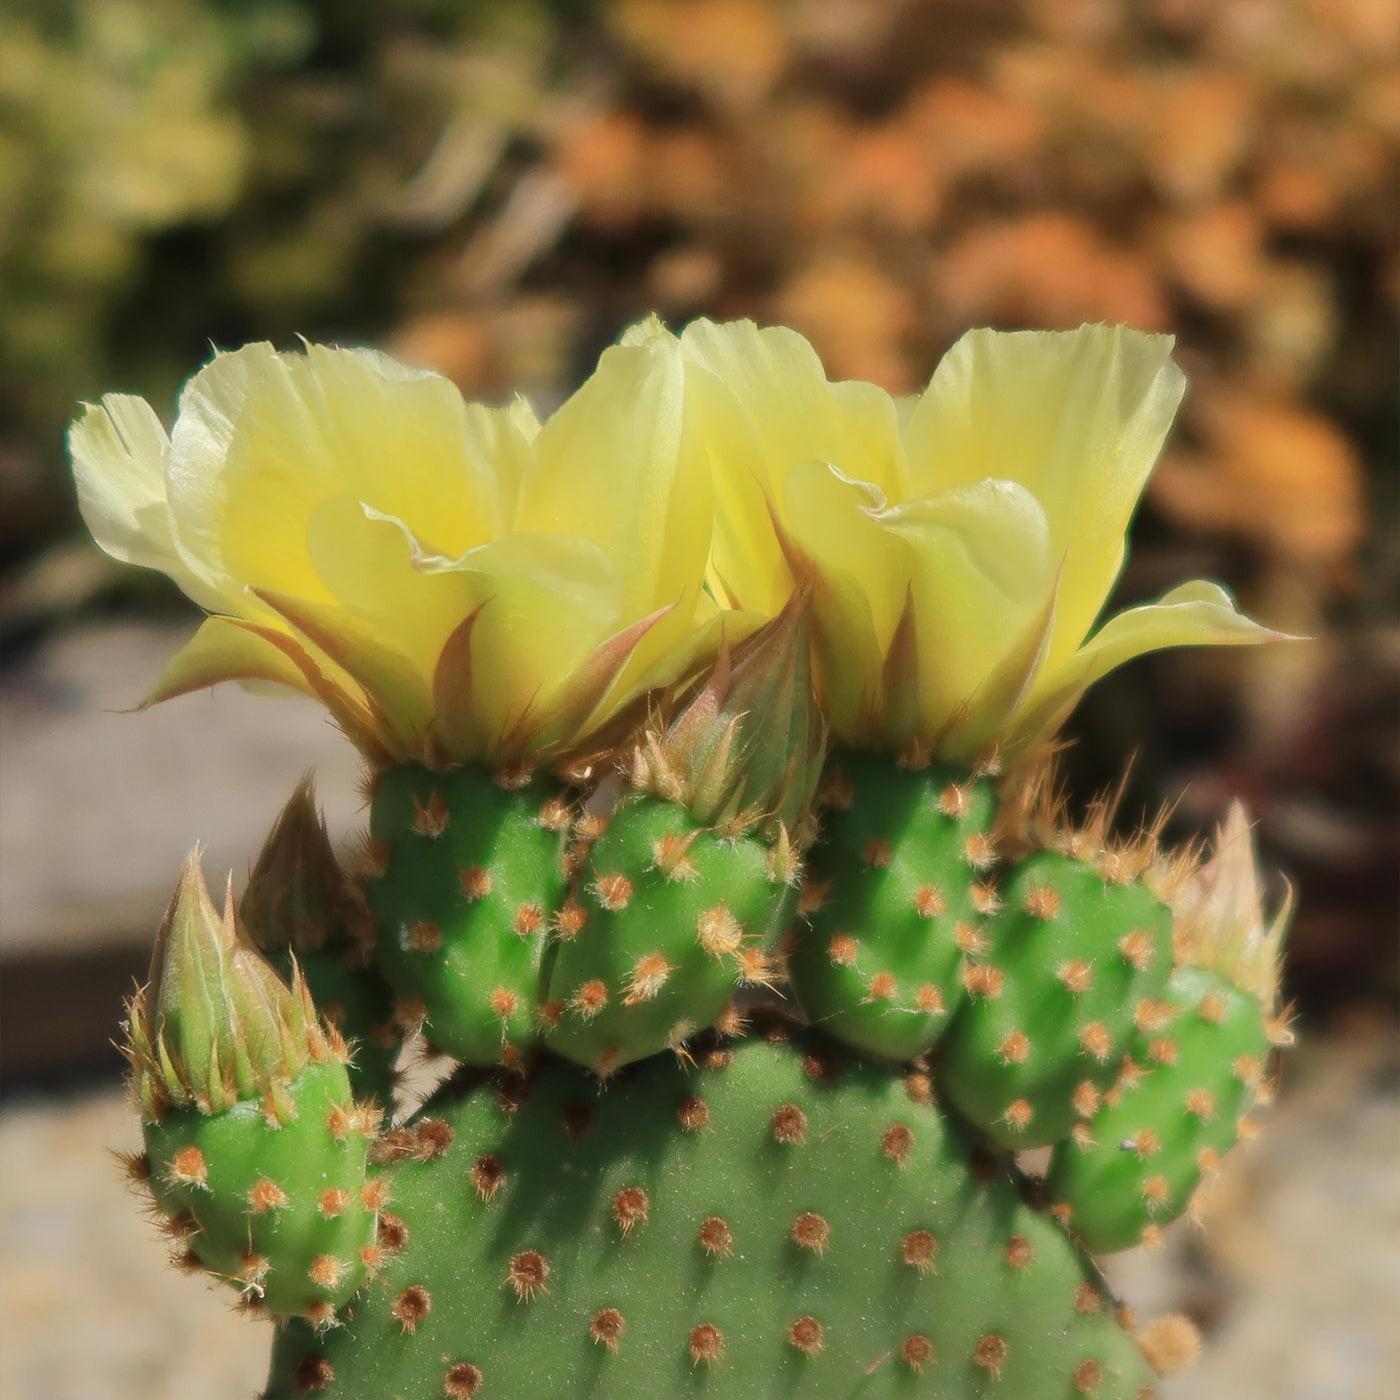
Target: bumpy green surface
271,1209
892,880
1157,1135
1054,999
472,874
669,912
919,1275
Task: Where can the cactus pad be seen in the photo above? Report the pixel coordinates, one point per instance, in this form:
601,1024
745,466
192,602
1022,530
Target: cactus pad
775,1221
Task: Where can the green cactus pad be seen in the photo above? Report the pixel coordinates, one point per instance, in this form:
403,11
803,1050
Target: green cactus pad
286,1212
670,920
770,1223
1174,1116
465,876
895,893
1073,963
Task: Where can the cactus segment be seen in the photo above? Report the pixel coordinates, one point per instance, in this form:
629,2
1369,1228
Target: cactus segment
896,894
669,920
775,1221
283,1211
300,909
1134,1165
464,875
1073,966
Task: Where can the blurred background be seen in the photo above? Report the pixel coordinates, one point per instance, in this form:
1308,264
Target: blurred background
494,189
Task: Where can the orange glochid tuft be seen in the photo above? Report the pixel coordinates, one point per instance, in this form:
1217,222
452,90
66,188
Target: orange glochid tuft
462,1381
929,901
916,1352
590,999
983,895
504,1003
265,1195
969,939
334,1200
706,1344
487,1175
954,801
630,1208
326,1271
411,1307
877,853
555,814
842,950
1075,975
896,1143
918,1087
789,1125
1018,1252
810,1231
606,1327
693,1114
422,936
1014,1048
990,1353
188,1167
718,931
310,1374
980,850
1094,1040
812,895
880,987
1018,1115
613,891
570,919
1137,949
391,1234
806,1334
1086,1098
475,882
928,999
714,1236
527,1275
982,980
1087,1377
1156,1192
1087,1298
649,974
1151,1016
1041,902
919,1249
527,920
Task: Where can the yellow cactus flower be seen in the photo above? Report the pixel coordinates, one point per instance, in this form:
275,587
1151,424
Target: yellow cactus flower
454,582
961,544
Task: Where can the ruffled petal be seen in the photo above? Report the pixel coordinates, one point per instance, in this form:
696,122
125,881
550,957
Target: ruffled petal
616,466
981,581
1076,417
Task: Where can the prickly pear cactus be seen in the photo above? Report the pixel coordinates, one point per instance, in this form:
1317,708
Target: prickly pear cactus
778,1218
595,667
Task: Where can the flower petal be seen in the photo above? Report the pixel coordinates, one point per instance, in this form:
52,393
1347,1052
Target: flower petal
119,450
261,438
615,466
1076,417
981,580
1198,613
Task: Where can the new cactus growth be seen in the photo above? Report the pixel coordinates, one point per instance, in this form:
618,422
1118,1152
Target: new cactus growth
300,910
593,665
256,1150
680,898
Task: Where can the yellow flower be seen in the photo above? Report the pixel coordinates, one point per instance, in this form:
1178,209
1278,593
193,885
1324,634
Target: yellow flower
454,582
960,544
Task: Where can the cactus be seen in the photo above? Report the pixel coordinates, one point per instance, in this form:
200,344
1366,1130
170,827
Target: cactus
301,910
595,711
255,1149
681,897
465,872
823,1229
896,895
